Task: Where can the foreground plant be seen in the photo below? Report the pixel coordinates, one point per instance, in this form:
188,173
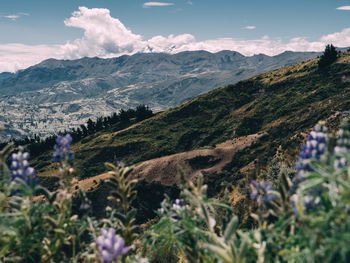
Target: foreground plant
304,219
36,228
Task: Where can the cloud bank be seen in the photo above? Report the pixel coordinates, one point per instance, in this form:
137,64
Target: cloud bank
105,36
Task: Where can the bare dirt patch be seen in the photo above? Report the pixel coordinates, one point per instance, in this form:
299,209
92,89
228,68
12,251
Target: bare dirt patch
164,169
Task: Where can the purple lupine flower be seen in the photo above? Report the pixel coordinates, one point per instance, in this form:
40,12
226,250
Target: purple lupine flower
343,145
261,191
310,202
163,207
110,245
293,202
179,204
314,149
177,208
62,149
20,168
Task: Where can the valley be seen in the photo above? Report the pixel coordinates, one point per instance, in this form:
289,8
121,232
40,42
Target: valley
58,95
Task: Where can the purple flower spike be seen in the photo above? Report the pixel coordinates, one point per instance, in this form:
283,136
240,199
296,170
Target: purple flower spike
343,145
62,149
261,191
110,245
177,208
20,168
314,149
309,202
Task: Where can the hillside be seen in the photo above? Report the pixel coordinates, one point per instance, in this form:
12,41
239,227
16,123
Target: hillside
61,94
281,105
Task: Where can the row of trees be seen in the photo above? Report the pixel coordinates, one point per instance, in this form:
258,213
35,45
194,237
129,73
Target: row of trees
114,122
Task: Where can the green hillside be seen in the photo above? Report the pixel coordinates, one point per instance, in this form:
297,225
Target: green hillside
283,104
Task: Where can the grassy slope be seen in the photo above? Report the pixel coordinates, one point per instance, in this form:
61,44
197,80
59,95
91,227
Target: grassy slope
284,103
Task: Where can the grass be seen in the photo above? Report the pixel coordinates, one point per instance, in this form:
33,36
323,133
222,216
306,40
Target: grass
283,103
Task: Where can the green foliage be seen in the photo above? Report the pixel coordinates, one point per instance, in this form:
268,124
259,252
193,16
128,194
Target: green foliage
200,162
282,235
249,125
123,195
194,228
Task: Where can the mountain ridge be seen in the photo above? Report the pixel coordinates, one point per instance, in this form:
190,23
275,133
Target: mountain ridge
63,94
283,105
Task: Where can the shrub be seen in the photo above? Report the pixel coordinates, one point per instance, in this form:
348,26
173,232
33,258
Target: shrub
249,125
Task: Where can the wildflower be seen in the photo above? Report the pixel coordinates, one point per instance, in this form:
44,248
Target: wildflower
177,208
294,202
343,145
314,149
110,245
262,191
163,207
178,205
62,149
20,168
309,202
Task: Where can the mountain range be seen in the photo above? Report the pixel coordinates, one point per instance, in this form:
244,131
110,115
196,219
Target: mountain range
61,94
225,133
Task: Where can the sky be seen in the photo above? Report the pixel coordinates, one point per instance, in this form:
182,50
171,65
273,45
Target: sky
35,30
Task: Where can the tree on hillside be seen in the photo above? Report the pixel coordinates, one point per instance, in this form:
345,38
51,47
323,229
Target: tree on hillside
143,112
90,126
329,56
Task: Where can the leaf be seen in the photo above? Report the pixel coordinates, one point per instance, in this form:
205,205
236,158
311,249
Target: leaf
308,184
4,250
220,252
59,231
243,247
52,221
222,206
205,213
231,228
121,217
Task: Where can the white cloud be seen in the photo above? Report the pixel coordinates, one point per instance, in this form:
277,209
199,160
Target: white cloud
15,16
152,4
339,39
190,2
250,27
345,7
16,56
105,36
12,17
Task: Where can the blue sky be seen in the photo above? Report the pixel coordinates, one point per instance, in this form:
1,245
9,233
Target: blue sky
33,30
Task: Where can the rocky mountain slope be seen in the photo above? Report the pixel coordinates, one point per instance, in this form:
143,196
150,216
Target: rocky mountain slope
60,94
280,107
